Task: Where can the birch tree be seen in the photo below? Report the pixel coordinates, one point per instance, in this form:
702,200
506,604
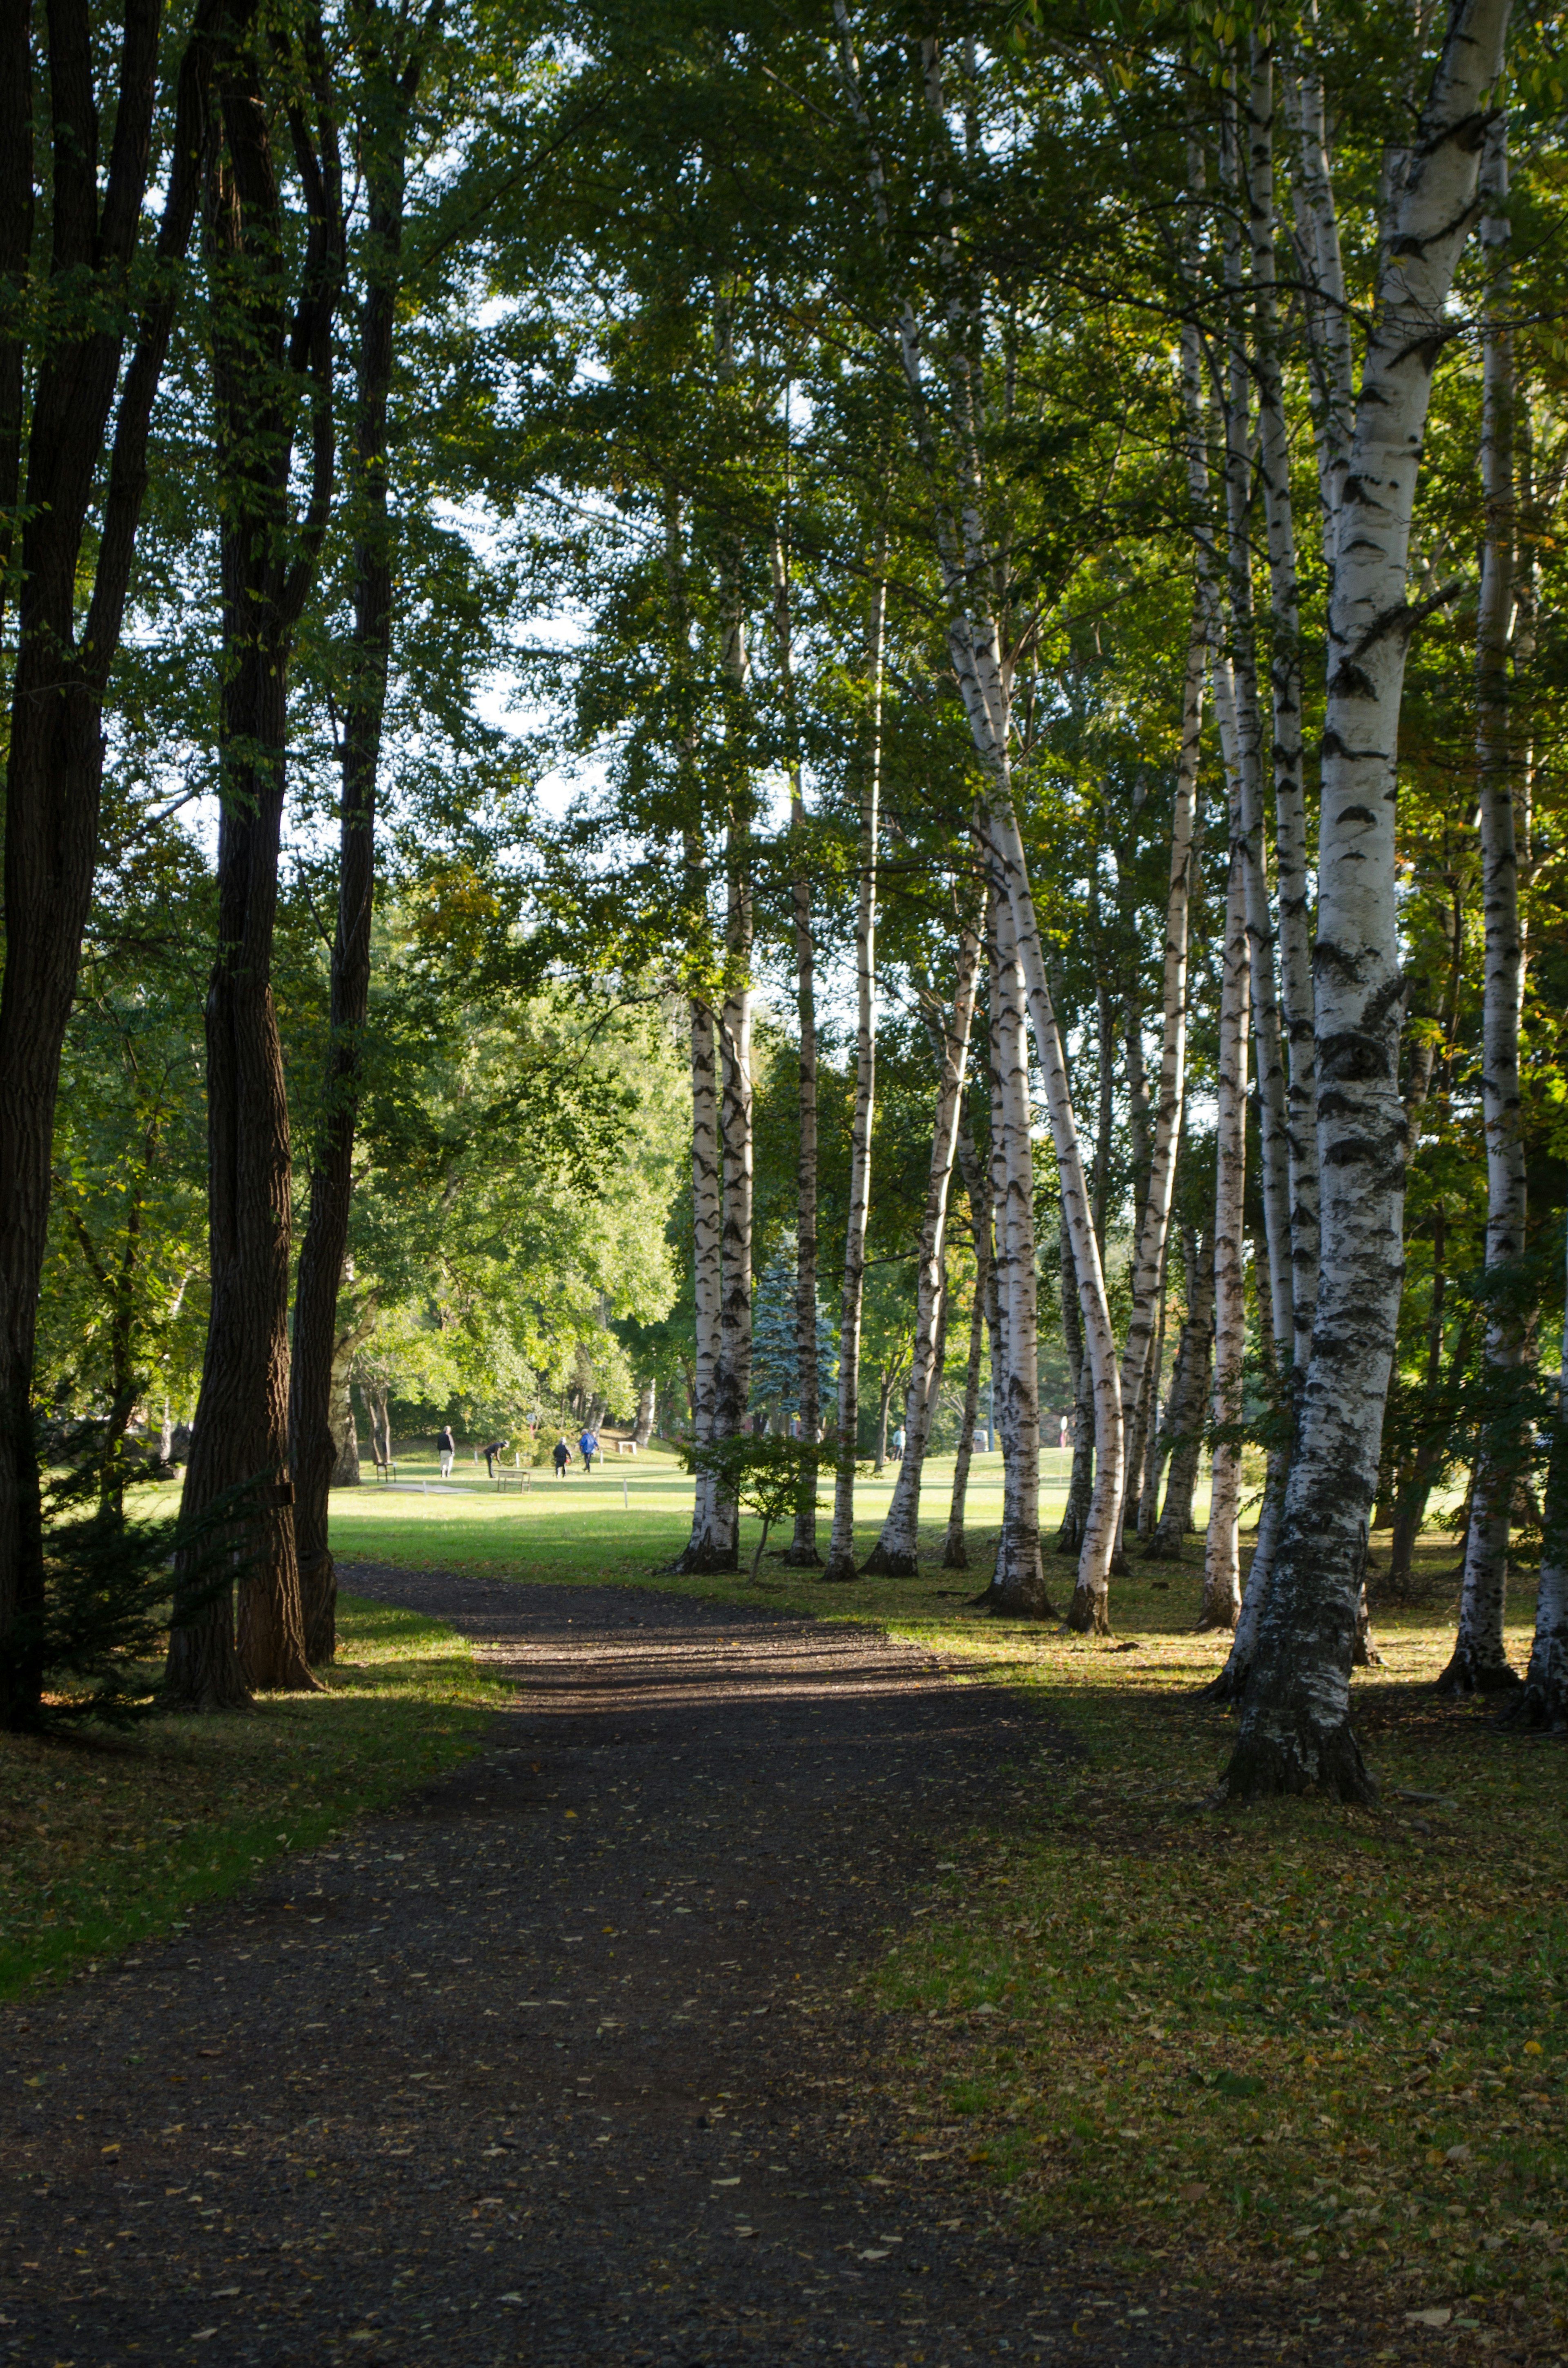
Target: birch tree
1295,1731
841,1564
1480,1663
1149,1254
1221,1564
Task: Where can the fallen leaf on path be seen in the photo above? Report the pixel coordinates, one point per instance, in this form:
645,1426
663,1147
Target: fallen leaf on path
1427,2317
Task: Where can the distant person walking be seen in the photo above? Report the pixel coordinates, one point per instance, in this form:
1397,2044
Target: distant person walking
448,1448
590,1447
561,1456
898,1444
490,1453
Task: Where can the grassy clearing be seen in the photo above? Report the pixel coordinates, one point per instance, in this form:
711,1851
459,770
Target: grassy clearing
106,1837
1319,2045
1324,2040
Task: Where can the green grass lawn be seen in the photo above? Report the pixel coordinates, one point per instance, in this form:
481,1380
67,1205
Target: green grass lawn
1305,2043
106,1836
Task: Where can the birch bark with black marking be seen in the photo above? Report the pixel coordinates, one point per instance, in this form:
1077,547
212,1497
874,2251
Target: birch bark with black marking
1295,1731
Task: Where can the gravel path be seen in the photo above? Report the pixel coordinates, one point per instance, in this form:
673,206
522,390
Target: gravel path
565,2063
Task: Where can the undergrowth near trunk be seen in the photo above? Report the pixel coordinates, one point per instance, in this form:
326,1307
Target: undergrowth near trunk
107,1837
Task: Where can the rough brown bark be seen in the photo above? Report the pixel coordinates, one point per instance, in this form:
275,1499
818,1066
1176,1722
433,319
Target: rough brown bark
314,1452
59,443
270,356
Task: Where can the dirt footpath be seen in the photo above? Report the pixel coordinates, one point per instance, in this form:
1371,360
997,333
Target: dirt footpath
566,2063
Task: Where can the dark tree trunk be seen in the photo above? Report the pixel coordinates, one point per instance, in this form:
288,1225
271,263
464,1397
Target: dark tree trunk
316,1454
60,441
259,353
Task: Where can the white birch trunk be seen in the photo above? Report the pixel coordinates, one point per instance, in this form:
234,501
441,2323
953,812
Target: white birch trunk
955,1552
1247,734
801,1553
840,1561
1222,1562
732,1382
1295,1731
1149,1254
706,1276
1479,1662
895,1554
1017,1585
1291,847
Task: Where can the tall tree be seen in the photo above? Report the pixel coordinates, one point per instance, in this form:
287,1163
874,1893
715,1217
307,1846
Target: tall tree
318,1378
75,422
1479,1662
271,360
841,1564
1296,1729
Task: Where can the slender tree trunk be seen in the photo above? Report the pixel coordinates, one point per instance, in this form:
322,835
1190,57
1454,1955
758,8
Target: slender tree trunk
1221,1563
801,1553
1148,1255
1247,757
1480,1661
1149,1494
707,1278
1291,850
314,1452
841,1561
643,1430
78,483
895,1554
1081,1480
260,340
1295,1729
732,1384
955,1554
345,1470
1189,1397
1017,1585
